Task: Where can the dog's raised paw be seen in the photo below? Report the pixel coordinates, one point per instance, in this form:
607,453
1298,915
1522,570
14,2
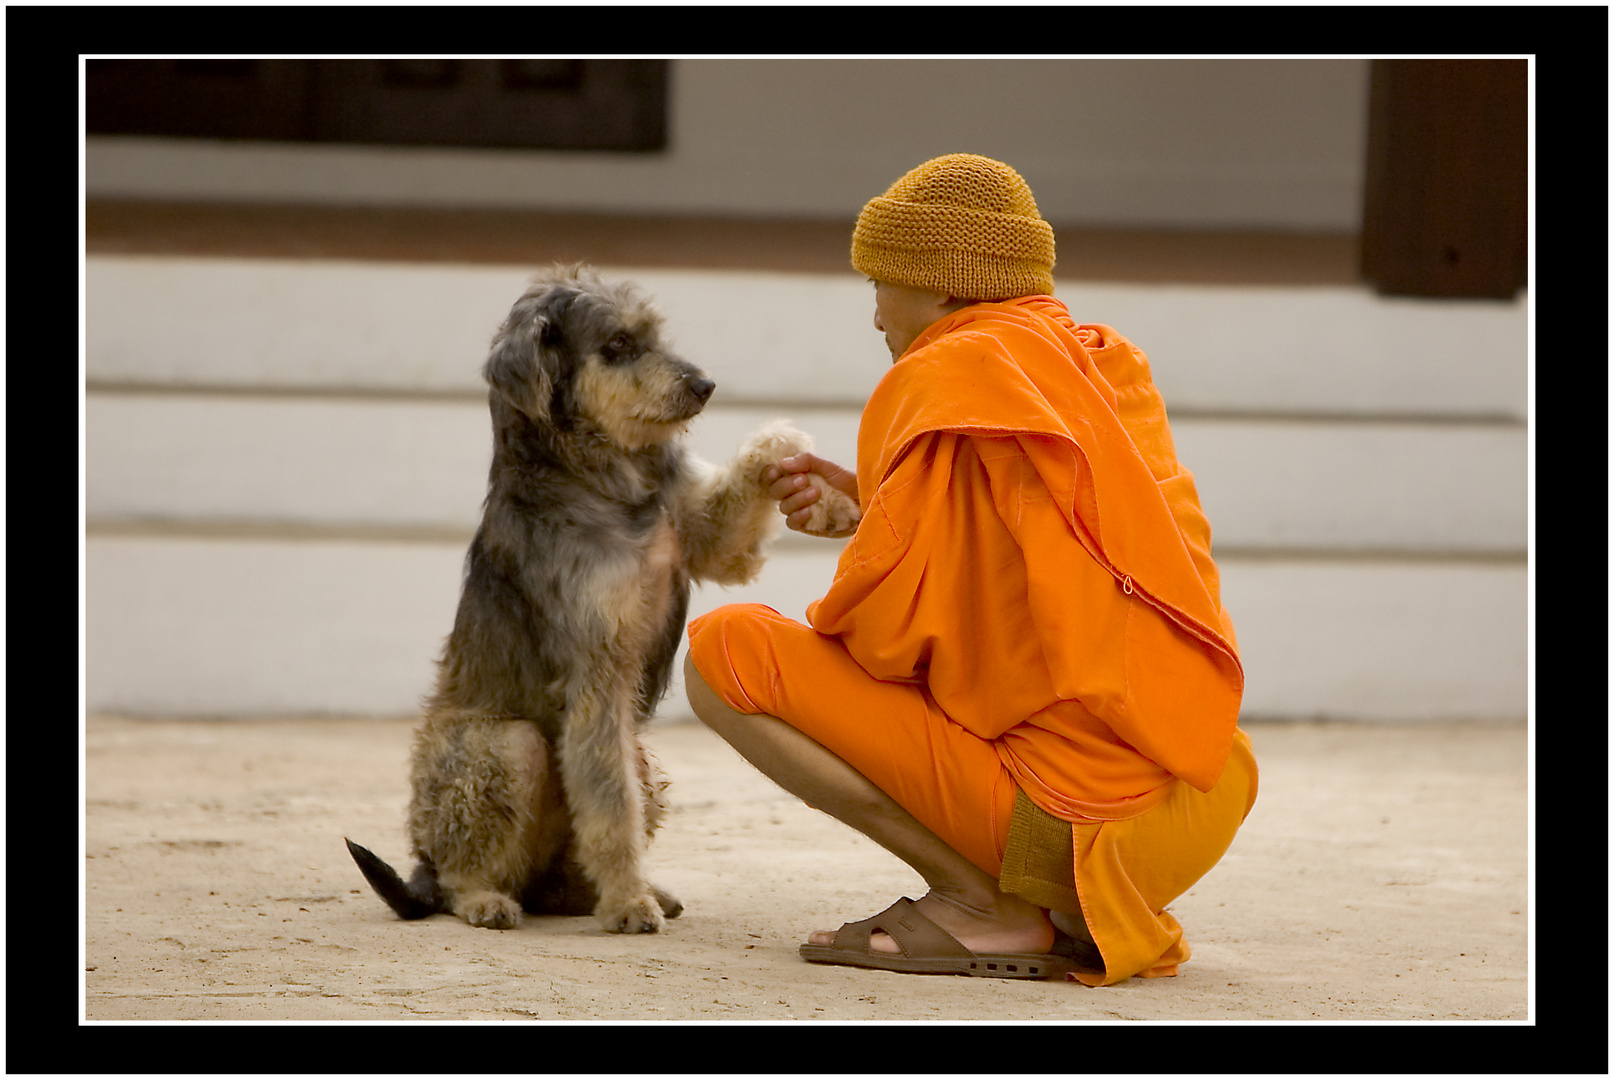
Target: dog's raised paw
772,443
835,513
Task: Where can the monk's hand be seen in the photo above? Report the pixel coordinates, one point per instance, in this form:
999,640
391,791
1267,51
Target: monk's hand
787,482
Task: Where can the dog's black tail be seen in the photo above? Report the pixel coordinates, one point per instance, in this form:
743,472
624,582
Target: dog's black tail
413,899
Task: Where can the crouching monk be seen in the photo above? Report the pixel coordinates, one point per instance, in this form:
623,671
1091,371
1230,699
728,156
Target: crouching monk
1021,681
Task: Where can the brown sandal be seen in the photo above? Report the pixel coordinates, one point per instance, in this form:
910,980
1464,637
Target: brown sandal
927,949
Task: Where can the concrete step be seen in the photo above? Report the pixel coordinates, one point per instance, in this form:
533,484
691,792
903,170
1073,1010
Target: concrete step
226,625
1268,485
799,338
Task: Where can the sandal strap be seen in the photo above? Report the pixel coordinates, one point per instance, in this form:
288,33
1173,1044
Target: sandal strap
914,934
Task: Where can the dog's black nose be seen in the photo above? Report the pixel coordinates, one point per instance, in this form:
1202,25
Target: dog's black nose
702,389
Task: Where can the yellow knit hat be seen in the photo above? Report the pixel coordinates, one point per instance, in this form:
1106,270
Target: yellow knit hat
962,224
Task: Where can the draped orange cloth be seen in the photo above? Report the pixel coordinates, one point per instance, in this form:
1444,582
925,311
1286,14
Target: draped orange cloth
1094,552
1035,561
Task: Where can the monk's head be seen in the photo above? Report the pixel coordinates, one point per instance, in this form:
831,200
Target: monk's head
962,226
903,312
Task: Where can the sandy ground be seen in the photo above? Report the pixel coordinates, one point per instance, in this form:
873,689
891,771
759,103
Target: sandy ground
1372,882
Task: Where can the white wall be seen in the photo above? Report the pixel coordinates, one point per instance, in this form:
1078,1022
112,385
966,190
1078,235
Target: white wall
1249,144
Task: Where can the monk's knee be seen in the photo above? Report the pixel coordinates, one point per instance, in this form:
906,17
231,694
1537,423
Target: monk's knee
709,709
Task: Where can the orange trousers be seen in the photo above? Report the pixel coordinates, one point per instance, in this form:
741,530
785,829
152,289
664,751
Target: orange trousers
956,784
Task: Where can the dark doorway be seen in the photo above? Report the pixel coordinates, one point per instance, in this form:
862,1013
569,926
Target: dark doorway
549,104
1447,201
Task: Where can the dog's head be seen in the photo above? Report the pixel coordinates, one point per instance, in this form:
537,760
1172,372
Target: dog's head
579,354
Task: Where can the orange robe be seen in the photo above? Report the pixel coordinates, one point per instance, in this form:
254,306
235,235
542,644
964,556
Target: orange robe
1034,558
1134,632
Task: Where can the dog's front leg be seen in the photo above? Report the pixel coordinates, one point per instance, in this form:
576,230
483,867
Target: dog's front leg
728,517
599,765
726,522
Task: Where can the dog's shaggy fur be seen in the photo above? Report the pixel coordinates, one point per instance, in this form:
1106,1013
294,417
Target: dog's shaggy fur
531,788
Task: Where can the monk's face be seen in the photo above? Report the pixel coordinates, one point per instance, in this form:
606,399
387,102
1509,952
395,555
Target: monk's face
903,312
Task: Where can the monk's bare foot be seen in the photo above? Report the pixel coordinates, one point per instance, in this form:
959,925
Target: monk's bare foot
1009,925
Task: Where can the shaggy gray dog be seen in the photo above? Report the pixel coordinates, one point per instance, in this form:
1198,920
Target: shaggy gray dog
531,787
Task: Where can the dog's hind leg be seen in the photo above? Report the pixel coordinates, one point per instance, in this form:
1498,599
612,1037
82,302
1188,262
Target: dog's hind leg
476,785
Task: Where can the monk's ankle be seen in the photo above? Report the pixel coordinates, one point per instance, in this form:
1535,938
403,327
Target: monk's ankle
998,908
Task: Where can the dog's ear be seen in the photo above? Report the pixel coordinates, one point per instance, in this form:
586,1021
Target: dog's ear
520,366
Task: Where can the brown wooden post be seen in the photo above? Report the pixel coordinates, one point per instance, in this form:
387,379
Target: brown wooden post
1446,209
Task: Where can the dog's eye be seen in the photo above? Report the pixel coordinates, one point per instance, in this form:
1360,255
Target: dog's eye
620,349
